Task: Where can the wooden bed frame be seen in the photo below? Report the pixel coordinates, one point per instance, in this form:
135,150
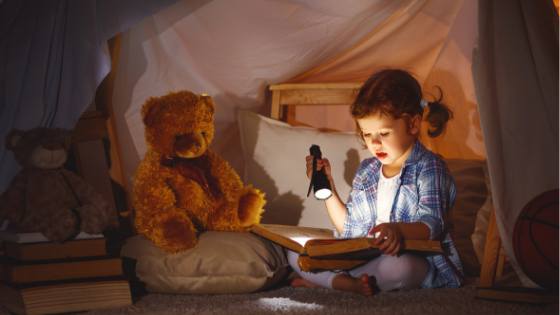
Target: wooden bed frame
311,94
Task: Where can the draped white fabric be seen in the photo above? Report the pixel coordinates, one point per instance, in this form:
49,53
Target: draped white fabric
233,49
431,39
515,68
53,55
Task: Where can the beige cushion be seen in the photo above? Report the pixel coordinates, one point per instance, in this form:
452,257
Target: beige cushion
222,262
275,153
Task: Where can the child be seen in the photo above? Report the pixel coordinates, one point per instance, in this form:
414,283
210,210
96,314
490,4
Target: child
403,192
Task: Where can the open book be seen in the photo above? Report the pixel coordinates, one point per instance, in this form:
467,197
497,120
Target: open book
319,249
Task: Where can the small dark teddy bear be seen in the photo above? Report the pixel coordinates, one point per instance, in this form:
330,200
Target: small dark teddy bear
181,188
44,196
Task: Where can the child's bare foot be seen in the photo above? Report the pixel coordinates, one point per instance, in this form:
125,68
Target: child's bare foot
348,283
302,283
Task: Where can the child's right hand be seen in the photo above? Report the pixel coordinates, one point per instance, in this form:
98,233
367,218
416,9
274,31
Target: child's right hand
320,164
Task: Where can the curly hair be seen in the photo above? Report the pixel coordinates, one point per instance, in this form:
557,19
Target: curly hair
397,93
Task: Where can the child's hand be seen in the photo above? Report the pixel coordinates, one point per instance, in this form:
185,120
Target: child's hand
390,235
320,164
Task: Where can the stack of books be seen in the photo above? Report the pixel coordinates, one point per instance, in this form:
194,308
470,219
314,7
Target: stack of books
41,277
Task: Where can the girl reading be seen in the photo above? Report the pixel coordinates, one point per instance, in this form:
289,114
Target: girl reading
402,192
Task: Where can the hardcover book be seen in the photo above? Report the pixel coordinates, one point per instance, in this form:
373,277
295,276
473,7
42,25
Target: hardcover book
22,236
319,249
17,272
307,263
50,250
65,296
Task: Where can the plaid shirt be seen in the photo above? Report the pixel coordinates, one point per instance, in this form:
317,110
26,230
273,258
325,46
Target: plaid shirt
424,192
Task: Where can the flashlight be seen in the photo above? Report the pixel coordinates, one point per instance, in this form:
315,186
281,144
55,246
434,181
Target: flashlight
319,181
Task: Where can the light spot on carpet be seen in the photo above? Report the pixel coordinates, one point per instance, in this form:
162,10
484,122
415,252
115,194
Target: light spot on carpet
285,304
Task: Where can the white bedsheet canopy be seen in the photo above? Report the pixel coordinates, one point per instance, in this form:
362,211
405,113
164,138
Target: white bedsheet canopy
53,56
234,49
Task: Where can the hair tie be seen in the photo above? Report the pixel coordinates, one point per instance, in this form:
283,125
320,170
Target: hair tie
423,103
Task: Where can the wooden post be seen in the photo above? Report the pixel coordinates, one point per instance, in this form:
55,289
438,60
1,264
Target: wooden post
491,253
276,109
104,102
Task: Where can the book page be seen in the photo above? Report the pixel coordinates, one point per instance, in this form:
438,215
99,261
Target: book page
299,234
292,237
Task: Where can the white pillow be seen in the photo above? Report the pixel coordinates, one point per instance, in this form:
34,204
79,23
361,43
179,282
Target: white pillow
275,155
222,262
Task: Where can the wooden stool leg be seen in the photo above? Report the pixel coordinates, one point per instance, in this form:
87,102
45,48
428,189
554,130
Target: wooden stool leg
491,253
493,264
501,260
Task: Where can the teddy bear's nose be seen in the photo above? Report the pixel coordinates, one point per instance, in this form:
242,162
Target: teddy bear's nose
52,145
198,146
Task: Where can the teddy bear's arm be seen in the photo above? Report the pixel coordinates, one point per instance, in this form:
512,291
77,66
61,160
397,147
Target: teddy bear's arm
247,201
229,182
157,215
167,191
12,201
151,189
95,210
152,196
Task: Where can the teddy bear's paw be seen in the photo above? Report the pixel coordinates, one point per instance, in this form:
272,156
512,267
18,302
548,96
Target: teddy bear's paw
94,218
178,235
250,208
60,227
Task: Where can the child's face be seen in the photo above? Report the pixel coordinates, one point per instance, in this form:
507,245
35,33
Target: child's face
387,139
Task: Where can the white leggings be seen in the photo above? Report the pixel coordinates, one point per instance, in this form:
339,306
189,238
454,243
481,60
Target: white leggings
403,272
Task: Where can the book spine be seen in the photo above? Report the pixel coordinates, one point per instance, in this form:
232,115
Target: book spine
44,251
6,273
60,271
307,264
63,298
12,299
36,237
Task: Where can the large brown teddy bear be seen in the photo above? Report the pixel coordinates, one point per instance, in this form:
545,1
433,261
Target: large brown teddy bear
181,188
45,197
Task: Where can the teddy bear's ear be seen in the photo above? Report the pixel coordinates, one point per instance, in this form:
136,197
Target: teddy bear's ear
13,138
150,110
209,102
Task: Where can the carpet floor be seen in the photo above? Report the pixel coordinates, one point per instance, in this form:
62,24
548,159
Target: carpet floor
282,299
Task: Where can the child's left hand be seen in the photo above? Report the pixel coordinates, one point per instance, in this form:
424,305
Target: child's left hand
391,236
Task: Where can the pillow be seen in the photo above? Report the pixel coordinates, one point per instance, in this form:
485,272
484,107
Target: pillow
222,262
275,155
473,200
